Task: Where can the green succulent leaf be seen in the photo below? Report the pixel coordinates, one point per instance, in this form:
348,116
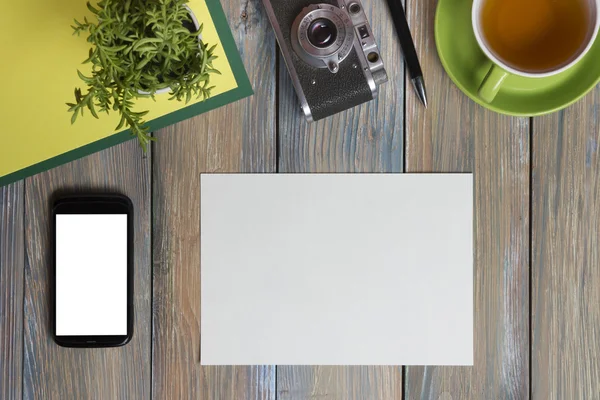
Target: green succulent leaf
140,46
92,9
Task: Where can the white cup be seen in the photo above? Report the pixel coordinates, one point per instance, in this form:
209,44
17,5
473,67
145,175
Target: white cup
500,70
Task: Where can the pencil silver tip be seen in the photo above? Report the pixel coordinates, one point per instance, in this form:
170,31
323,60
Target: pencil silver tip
419,86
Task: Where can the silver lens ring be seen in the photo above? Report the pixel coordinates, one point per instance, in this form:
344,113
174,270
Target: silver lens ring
336,52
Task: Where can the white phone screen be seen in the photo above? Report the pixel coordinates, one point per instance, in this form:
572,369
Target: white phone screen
91,274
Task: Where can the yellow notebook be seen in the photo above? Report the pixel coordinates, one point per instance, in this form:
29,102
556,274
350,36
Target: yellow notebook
40,58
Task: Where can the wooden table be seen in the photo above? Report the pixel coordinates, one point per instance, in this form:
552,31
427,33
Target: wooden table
537,225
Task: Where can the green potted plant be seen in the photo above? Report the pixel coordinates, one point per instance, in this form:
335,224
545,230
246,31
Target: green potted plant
141,48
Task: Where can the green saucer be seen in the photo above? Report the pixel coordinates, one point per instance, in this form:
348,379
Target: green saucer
466,65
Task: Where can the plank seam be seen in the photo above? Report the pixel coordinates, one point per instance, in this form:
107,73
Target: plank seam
404,119
152,150
531,165
277,139
23,294
276,388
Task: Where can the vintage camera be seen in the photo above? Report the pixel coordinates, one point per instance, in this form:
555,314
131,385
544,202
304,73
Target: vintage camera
330,52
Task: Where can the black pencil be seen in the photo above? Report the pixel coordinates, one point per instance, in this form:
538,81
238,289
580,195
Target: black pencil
408,48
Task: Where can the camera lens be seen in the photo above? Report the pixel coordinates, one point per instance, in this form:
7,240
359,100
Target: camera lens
322,33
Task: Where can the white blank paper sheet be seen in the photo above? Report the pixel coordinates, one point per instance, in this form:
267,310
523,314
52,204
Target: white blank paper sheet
337,269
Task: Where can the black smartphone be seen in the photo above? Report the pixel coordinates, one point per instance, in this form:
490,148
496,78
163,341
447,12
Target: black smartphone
92,296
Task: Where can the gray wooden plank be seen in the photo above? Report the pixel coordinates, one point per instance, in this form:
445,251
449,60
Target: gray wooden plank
53,372
367,138
12,265
566,255
236,138
456,135
339,382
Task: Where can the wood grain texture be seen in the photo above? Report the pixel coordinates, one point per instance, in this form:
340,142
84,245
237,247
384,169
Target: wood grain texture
339,382
239,137
456,135
53,372
566,255
12,250
367,138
